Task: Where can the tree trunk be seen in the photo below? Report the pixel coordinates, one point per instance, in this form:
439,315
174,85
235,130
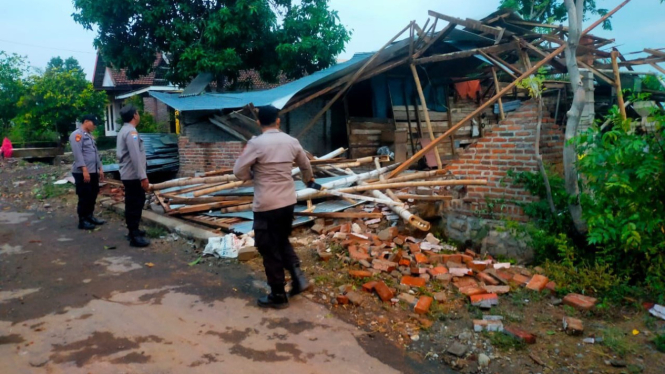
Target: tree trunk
575,16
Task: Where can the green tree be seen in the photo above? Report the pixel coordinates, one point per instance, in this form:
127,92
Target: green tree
54,101
13,69
67,65
551,11
216,36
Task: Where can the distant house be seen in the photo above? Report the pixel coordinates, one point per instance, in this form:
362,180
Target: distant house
118,88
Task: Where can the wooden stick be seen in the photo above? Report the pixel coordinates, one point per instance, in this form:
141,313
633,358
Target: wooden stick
655,52
442,35
349,215
596,72
197,188
653,65
463,54
353,79
384,186
499,65
605,17
449,116
617,79
206,200
204,207
419,88
218,172
507,64
227,186
424,197
417,175
498,88
476,112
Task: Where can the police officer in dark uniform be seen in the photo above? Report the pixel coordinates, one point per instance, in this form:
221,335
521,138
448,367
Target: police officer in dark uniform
131,157
87,171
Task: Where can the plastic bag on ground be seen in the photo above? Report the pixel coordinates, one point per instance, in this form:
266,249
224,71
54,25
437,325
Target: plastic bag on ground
227,246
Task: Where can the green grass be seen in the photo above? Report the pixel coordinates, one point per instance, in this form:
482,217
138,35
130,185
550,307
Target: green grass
660,342
154,232
48,190
618,342
504,342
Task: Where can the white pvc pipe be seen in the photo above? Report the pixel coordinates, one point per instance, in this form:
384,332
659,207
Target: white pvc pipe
310,193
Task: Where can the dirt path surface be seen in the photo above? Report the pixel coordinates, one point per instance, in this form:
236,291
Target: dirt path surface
69,304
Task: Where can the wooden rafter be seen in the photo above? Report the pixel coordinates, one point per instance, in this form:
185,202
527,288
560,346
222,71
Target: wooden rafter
464,54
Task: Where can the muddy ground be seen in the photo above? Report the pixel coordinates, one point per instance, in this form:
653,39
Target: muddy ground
72,278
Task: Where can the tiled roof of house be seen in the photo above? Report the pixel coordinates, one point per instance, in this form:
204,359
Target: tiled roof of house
120,76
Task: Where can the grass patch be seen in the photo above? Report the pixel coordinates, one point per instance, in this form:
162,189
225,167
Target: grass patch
618,342
660,343
321,279
155,232
504,342
48,190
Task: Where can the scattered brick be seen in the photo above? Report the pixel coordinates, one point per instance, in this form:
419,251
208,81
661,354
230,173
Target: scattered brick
399,240
440,297
340,236
487,279
466,258
435,258
383,291
452,264
476,266
431,239
417,271
573,326
453,258
345,228
357,254
499,290
520,334
459,272
471,253
485,301
407,298
472,290
342,299
501,275
551,286
537,283
360,273
487,325
355,298
388,234
414,248
437,270
404,262
421,258
465,282
426,277
422,307
369,286
580,302
413,281
502,265
519,280
384,265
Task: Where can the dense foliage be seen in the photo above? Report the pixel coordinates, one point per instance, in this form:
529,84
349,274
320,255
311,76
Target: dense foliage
13,68
46,106
216,36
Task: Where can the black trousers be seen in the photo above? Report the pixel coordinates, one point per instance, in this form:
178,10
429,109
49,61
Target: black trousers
87,193
271,234
134,201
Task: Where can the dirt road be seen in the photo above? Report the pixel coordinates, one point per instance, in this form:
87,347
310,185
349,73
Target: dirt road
70,304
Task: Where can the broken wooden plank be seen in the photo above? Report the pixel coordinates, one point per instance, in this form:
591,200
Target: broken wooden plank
348,215
419,88
468,53
617,85
470,23
424,197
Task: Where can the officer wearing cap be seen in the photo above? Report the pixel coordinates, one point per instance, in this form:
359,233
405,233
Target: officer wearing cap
87,171
267,160
131,157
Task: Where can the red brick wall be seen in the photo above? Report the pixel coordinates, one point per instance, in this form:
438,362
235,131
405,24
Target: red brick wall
158,109
204,157
508,145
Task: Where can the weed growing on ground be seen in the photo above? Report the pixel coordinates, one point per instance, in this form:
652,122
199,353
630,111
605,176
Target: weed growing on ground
49,190
659,341
618,342
155,232
504,342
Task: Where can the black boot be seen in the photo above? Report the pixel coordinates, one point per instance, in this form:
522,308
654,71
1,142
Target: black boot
95,221
276,299
84,224
299,282
138,240
138,231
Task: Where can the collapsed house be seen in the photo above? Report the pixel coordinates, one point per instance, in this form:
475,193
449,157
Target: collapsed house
446,99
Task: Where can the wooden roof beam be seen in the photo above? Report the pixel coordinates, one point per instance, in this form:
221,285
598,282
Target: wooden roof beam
464,54
472,24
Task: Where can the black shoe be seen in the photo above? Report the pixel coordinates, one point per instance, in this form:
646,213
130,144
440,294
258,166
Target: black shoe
274,300
137,240
299,282
95,221
84,224
138,231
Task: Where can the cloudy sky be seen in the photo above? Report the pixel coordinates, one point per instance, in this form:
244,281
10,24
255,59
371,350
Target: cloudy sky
41,29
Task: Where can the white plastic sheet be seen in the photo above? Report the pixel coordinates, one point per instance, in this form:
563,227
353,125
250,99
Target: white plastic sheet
227,246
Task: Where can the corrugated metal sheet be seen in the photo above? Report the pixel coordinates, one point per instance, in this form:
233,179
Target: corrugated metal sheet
161,154
324,207
280,96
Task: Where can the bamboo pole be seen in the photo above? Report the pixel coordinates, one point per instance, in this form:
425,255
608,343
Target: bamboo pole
227,186
310,193
204,207
479,110
617,80
416,175
390,193
424,197
348,215
218,172
383,186
421,94
204,200
350,83
328,156
498,88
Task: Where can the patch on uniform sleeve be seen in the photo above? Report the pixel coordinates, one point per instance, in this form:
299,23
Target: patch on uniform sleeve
134,135
78,137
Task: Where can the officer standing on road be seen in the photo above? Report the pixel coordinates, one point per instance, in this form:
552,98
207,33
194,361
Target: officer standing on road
131,157
267,160
87,171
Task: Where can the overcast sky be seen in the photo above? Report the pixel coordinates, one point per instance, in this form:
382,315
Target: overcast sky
41,29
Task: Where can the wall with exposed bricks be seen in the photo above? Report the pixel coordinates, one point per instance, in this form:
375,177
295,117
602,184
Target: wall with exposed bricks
508,145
